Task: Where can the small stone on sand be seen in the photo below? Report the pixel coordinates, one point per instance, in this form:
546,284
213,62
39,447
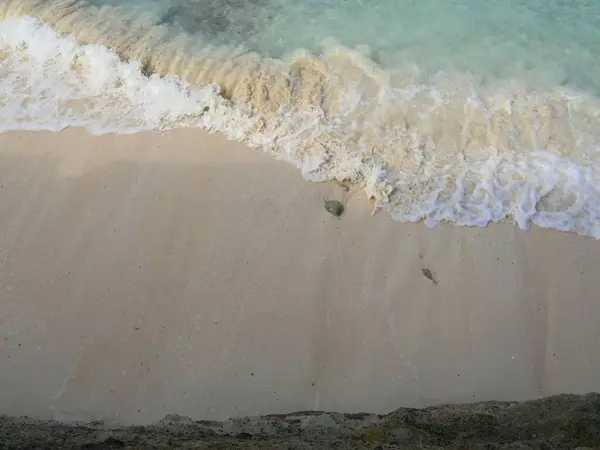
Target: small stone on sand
334,207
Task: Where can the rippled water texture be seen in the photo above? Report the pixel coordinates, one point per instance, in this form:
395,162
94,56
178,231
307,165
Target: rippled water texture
498,38
470,111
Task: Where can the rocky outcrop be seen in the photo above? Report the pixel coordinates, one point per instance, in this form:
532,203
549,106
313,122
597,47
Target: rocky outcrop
559,422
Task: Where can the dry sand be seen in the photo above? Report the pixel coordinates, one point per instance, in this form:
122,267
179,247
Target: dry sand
181,273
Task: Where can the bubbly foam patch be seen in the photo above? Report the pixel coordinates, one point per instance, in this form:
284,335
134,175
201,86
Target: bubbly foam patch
439,149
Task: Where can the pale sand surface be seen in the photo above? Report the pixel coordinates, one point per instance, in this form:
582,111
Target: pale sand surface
181,273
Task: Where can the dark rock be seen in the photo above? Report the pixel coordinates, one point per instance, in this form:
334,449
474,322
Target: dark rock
334,207
559,422
108,444
243,436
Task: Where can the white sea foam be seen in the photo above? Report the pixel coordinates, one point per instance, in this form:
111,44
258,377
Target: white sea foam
51,82
438,149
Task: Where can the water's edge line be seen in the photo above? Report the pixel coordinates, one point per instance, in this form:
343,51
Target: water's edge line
367,170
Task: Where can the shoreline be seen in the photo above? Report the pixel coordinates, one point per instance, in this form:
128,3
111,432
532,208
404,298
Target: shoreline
152,274
503,156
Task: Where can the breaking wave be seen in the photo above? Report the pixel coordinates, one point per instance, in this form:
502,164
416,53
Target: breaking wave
433,147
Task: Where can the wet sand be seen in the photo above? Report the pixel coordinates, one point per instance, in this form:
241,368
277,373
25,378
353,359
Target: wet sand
182,273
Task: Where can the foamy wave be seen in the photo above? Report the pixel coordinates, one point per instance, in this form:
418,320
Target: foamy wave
438,149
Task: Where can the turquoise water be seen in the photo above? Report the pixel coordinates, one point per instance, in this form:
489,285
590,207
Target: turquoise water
471,111
499,38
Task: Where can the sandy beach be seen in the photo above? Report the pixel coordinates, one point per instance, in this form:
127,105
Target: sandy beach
155,274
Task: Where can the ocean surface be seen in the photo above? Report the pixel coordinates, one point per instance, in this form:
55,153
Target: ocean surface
468,111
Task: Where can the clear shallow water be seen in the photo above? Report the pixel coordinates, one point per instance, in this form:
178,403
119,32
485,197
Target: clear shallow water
469,111
497,38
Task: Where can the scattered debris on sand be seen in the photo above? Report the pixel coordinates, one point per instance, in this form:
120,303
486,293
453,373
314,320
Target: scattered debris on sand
428,274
